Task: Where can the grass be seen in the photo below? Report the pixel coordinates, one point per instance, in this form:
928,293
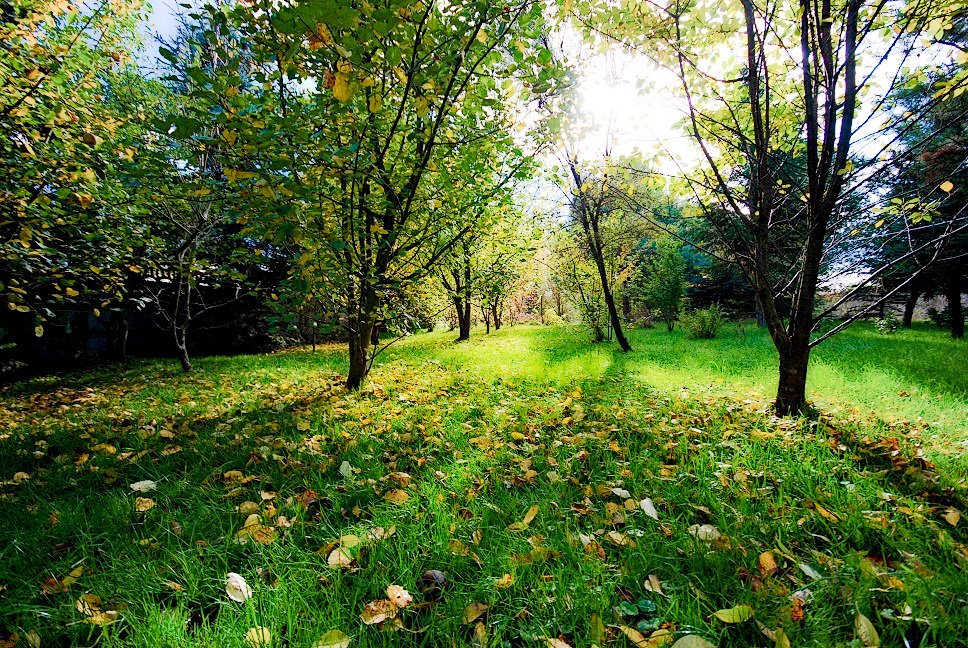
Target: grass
855,508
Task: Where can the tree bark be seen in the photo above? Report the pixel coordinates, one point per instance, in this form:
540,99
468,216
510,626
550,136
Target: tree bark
463,307
791,393
181,344
610,304
360,329
909,306
953,289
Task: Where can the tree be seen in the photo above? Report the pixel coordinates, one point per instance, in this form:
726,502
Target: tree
68,229
798,95
356,118
593,209
665,280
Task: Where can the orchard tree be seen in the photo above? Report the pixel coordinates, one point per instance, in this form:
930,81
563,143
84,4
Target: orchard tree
770,84
350,119
68,229
664,278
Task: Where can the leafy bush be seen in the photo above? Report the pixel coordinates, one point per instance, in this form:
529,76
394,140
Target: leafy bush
703,323
887,324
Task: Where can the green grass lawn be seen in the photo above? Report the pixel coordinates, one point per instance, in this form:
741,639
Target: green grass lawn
524,466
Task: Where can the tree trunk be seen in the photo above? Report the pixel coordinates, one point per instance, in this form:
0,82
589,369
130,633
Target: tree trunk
360,331
952,289
463,318
118,326
359,357
610,303
627,308
791,393
909,305
670,325
181,344
496,317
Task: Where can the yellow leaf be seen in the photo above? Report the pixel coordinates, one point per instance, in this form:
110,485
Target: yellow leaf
258,637
376,102
828,515
768,566
866,632
952,517
39,331
473,611
396,496
737,614
341,87
636,637
947,186
144,504
71,292
879,223
504,582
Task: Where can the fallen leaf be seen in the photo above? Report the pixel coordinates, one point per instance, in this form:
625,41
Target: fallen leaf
107,617
526,521
768,566
258,637
339,557
634,636
480,635
866,631
621,492
617,539
236,588
653,584
737,614
555,642
332,639
827,515
705,532
376,612
33,639
396,496
504,582
781,640
692,641
649,508
88,604
473,611
346,469
809,571
144,486
952,517
143,504
72,577
400,597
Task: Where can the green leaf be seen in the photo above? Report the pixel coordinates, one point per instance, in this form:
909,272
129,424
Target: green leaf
737,614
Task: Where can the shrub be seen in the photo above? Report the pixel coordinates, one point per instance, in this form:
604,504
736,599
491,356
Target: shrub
887,324
704,323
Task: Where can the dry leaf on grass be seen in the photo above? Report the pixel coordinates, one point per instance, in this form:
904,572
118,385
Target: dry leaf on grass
473,611
236,588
